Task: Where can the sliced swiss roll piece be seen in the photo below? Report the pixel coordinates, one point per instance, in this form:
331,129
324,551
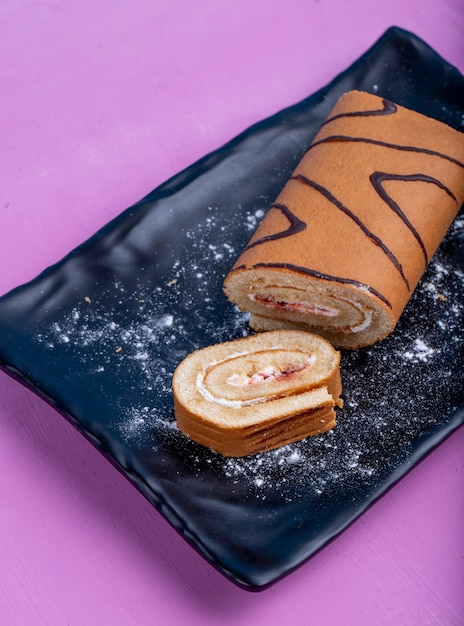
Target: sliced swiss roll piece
345,243
259,392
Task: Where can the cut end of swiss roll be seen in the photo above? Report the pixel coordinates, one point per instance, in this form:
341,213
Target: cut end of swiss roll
343,246
258,393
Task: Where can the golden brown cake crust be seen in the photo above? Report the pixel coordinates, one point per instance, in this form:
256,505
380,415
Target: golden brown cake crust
257,393
359,220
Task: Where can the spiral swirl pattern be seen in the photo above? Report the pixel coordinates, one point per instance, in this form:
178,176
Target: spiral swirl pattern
259,392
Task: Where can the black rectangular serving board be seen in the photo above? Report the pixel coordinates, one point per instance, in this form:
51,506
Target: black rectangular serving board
99,334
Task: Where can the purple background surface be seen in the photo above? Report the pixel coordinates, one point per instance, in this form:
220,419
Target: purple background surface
100,101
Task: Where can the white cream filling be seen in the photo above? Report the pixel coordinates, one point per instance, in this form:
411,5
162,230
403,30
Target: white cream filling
234,380
324,311
367,315
320,310
266,373
233,404
241,380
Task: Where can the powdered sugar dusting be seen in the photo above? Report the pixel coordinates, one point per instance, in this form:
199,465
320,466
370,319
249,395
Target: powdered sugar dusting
134,333
420,352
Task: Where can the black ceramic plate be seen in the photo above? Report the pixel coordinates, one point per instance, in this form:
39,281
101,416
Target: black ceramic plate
99,334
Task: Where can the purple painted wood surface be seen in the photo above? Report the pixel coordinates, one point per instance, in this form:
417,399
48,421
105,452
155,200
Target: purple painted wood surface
99,102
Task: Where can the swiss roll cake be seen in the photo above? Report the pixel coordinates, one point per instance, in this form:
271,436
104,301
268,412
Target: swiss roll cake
259,392
346,241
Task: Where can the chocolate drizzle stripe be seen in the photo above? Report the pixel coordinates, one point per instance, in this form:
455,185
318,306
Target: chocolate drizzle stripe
376,240
385,144
388,108
378,178
315,274
296,226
